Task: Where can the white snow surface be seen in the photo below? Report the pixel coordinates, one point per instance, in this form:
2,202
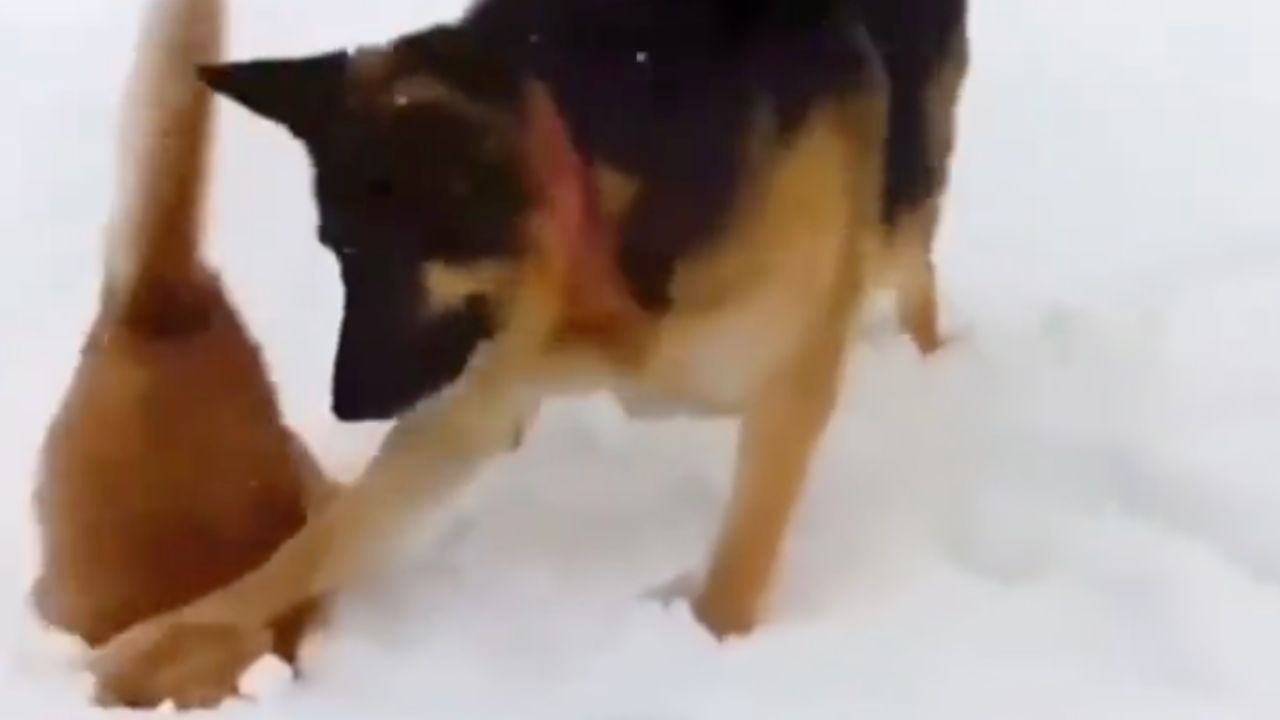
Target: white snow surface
1072,512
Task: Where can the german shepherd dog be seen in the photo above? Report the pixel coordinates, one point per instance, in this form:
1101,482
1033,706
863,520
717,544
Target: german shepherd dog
684,202
167,471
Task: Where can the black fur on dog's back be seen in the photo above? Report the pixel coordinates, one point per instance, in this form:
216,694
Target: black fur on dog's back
664,90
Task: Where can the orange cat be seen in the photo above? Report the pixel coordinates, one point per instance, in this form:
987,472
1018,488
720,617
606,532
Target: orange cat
168,470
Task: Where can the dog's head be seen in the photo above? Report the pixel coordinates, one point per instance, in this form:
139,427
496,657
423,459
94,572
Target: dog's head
432,162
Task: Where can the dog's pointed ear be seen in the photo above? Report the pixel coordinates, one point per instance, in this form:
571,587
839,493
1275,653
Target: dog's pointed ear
297,93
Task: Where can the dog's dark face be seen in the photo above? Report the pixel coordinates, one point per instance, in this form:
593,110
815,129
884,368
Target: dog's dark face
421,194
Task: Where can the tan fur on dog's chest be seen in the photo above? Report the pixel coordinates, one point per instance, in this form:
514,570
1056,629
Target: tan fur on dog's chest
740,310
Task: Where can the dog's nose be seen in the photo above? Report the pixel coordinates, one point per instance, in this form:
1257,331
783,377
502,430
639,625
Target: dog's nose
357,404
371,381
368,392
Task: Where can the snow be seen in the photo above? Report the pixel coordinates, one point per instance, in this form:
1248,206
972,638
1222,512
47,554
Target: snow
1072,512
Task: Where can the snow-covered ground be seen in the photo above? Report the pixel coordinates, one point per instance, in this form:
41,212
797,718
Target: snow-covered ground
1074,512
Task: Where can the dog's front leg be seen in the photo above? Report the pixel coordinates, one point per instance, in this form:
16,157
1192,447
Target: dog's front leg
790,411
195,655
778,436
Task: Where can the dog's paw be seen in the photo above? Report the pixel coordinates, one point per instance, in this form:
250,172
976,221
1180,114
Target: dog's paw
723,616
680,588
192,665
957,334
930,348
933,343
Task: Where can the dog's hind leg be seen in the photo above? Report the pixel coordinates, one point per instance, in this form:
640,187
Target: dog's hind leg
917,290
913,232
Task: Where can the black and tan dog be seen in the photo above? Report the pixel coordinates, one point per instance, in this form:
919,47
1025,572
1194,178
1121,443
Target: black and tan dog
686,202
